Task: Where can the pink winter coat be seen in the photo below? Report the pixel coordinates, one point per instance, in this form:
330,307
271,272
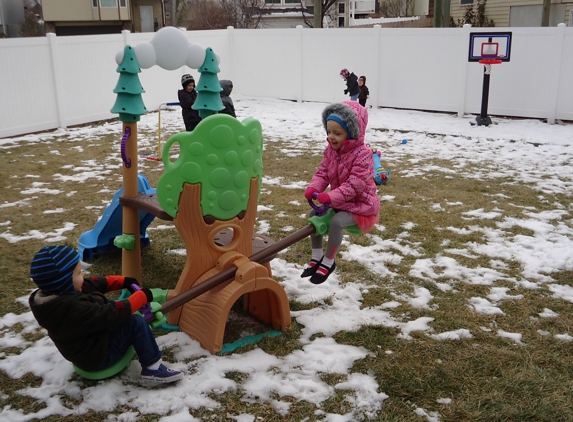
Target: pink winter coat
349,172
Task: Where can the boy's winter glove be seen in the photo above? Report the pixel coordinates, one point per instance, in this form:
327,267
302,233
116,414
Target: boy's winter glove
148,294
323,198
128,281
308,193
345,91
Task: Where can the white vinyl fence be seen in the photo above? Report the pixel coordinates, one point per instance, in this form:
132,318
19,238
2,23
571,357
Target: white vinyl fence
52,82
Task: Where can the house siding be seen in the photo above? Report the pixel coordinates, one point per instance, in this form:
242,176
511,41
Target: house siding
498,10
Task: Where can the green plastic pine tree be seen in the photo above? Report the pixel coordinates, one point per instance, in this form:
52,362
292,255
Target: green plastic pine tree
129,103
208,100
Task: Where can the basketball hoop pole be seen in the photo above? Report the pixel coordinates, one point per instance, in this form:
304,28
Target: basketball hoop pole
483,119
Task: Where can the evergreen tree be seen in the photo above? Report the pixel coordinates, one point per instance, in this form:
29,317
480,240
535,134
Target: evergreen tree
208,100
129,103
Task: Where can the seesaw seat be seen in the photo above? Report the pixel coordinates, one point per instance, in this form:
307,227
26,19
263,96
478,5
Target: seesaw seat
116,368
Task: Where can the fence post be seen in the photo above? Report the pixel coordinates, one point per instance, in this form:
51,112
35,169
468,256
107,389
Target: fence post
125,34
463,86
556,76
377,86
301,64
52,42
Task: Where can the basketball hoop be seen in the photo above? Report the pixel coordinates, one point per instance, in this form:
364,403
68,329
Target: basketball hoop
488,62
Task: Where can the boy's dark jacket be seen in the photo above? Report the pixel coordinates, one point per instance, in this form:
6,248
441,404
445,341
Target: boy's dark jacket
352,87
191,117
364,92
226,99
79,324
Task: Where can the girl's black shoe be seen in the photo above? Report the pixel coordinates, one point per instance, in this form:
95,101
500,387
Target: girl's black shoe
318,279
308,271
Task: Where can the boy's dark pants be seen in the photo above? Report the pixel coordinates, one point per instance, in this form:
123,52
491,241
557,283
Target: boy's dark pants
362,102
134,331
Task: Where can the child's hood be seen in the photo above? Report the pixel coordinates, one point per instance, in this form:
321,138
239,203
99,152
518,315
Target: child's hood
354,115
227,87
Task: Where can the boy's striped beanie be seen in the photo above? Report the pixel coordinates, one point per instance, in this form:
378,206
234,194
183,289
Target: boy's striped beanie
52,269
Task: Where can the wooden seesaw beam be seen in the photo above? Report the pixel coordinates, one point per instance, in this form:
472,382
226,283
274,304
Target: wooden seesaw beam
226,275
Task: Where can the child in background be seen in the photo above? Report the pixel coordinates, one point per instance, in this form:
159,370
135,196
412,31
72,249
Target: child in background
364,93
347,166
352,88
226,99
187,97
88,329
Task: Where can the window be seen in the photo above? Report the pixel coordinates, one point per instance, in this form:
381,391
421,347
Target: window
341,21
109,3
466,2
341,8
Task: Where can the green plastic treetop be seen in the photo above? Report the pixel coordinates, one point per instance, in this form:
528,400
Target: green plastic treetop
129,103
223,155
208,100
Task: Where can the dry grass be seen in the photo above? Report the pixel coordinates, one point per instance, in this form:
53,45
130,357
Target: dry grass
488,378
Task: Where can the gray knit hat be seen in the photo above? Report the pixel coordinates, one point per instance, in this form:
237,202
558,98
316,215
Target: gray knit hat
341,112
52,269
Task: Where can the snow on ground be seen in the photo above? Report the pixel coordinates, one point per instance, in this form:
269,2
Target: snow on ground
522,149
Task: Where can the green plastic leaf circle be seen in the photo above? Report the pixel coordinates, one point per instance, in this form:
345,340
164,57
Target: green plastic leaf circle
241,179
196,148
220,177
221,137
247,158
229,200
191,172
231,158
255,137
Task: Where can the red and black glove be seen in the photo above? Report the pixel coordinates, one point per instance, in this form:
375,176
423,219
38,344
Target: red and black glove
148,294
323,198
128,281
139,299
308,193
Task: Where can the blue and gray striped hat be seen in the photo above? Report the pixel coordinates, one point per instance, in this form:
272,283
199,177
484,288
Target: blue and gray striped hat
52,269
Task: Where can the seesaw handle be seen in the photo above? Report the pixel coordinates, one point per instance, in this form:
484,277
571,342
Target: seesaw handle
319,210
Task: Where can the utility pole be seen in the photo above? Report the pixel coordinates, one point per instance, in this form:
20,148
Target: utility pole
317,17
437,13
446,6
546,11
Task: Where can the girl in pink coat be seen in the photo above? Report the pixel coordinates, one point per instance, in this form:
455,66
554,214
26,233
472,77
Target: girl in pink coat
348,168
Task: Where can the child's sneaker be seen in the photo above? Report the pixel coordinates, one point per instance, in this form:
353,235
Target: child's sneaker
161,375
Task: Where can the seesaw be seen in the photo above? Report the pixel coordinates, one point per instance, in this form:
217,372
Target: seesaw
210,192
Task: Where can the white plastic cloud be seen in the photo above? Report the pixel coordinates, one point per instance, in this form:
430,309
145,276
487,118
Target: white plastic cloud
169,49
145,54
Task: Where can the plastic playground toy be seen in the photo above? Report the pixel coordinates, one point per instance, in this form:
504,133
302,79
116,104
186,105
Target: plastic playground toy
116,368
211,194
381,175
323,215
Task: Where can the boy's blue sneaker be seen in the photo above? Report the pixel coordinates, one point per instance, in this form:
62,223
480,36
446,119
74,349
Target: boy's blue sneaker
161,375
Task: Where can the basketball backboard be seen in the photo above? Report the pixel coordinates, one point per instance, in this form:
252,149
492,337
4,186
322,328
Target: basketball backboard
489,45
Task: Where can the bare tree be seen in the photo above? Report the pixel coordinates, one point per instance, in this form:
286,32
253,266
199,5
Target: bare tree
219,14
396,8
326,11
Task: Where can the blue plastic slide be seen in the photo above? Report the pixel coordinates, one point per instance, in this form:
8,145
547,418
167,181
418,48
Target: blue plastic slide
99,241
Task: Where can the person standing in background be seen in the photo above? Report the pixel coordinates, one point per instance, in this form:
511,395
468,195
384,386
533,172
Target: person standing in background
187,97
364,93
352,88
